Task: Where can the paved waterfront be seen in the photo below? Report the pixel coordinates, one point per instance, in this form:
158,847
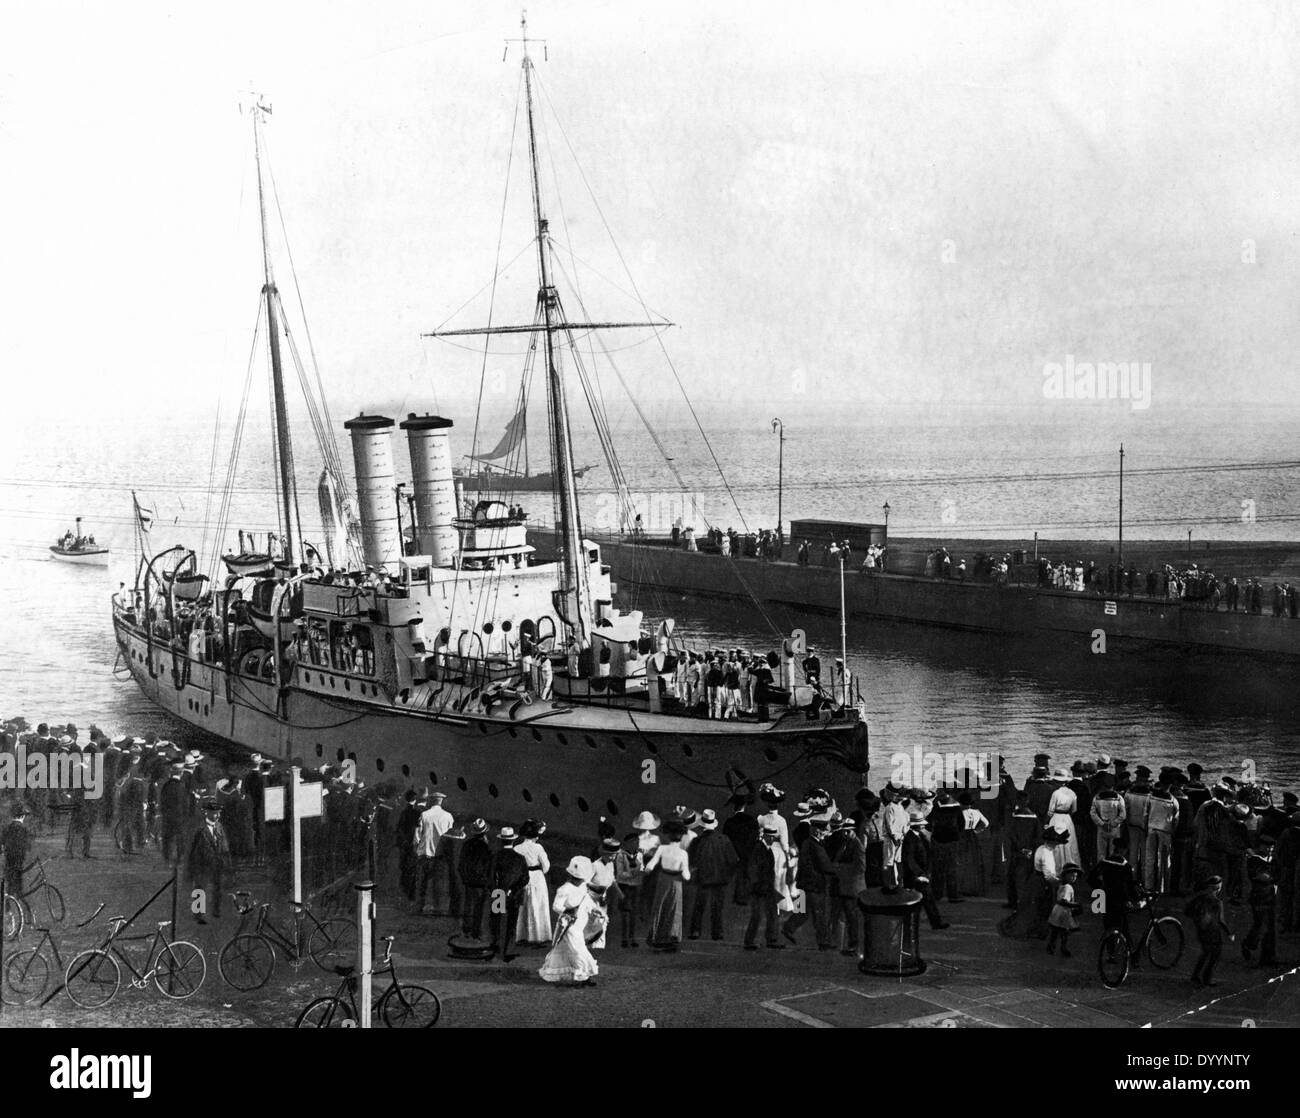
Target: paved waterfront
976,978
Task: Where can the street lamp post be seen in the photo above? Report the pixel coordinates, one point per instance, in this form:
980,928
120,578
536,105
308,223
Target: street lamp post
844,636
779,428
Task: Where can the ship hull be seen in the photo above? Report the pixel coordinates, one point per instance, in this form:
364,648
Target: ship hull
95,558
562,767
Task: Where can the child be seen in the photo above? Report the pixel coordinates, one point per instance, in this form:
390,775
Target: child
1062,920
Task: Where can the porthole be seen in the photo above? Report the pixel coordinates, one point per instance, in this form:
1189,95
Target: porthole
406,770
482,727
528,796
492,791
613,807
347,686
561,739
555,800
333,682
506,626
537,734
352,757
205,712
512,731
582,804
460,783
433,777
590,740
320,750
488,627
770,753
339,755
652,747
619,742
686,749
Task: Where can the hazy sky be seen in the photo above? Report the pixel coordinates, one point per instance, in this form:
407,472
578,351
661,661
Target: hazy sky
874,203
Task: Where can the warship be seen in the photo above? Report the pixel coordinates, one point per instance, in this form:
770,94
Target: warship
448,652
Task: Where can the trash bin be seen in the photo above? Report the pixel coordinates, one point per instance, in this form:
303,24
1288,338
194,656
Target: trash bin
891,933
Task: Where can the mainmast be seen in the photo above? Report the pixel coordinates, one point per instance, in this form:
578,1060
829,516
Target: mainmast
283,443
573,603
577,600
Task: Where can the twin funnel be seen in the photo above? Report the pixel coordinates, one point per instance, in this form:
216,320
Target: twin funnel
435,493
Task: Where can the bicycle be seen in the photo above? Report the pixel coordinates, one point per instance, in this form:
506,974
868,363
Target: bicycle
94,977
27,974
18,909
247,960
401,1006
1162,939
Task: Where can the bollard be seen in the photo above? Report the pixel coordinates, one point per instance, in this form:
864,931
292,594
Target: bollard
365,929
891,933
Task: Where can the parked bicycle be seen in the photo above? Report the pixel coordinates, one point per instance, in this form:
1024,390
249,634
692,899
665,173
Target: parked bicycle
28,973
401,1006
1162,940
176,967
39,894
247,960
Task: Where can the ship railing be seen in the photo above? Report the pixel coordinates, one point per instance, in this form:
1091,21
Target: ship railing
475,671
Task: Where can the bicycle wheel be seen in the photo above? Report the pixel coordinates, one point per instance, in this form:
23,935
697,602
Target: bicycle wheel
247,962
1112,959
326,1013
93,978
409,1007
180,971
1165,943
13,918
54,902
333,944
27,974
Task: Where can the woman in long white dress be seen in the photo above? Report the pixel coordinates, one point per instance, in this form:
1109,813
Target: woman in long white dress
1061,808
773,796
569,960
534,926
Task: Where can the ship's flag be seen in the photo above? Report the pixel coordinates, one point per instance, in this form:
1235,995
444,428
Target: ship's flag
512,438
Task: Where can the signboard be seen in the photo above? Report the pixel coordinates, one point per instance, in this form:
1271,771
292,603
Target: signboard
1111,609
273,804
310,802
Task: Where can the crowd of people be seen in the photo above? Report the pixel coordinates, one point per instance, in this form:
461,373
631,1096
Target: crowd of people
1129,834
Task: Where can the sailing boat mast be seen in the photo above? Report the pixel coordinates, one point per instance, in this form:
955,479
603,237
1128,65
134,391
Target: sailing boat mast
283,443
577,601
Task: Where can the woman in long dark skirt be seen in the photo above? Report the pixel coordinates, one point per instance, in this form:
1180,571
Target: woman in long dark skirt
674,869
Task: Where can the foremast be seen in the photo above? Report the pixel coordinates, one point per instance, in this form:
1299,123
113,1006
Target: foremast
290,521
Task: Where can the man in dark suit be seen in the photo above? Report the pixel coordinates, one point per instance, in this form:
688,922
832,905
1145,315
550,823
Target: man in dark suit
209,858
255,787
407,824
173,799
16,842
742,829
509,877
760,886
916,869
476,875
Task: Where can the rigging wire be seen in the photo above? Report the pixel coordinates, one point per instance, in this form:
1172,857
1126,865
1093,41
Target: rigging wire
641,300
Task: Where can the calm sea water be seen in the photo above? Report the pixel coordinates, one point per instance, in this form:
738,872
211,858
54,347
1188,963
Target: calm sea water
960,474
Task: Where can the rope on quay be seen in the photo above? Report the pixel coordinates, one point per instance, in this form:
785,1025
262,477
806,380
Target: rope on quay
1224,997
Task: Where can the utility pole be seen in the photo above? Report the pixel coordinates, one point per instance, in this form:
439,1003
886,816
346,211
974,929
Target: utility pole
779,428
1121,505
